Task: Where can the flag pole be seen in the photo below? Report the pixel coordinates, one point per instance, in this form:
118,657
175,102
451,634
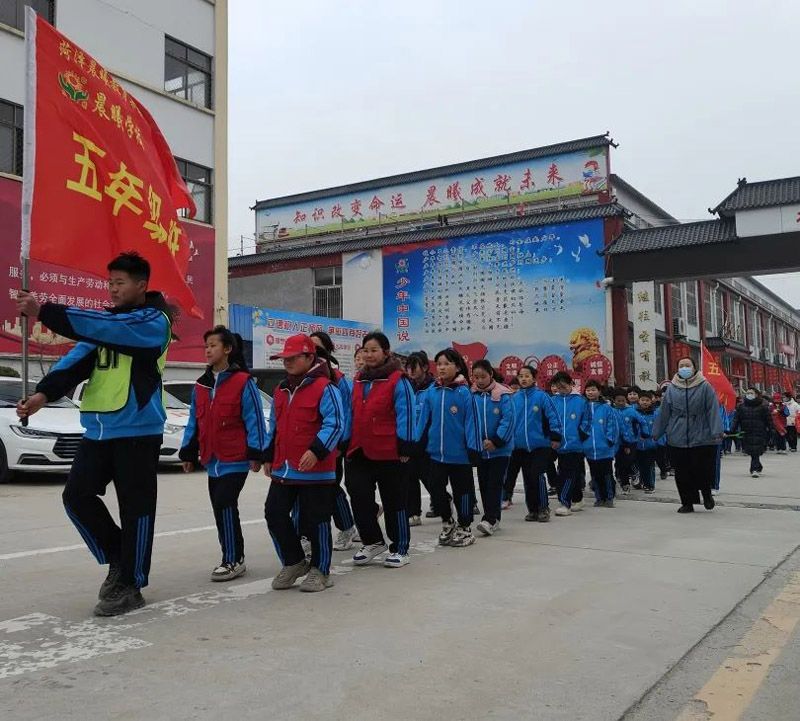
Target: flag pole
28,170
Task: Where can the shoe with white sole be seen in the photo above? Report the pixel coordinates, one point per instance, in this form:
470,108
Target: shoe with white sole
754,474
345,540
505,505
486,528
462,537
315,581
367,553
396,560
577,506
563,511
228,571
289,574
415,521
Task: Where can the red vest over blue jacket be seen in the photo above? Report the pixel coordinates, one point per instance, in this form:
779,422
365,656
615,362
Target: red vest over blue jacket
375,419
221,430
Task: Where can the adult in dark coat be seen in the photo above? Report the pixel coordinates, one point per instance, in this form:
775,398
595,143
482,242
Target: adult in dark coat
753,419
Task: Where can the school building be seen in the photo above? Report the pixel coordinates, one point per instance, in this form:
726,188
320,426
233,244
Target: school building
507,258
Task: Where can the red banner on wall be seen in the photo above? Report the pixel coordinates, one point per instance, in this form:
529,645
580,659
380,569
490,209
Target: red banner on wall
86,290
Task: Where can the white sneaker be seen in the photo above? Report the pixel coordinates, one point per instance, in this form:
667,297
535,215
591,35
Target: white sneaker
714,492
754,474
345,540
505,505
367,553
563,511
577,506
486,528
306,544
415,521
461,538
228,571
396,560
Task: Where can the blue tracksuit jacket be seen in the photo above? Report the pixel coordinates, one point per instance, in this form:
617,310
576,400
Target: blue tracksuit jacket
570,410
536,423
601,430
494,420
448,418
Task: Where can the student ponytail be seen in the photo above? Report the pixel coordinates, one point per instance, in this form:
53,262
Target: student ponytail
229,340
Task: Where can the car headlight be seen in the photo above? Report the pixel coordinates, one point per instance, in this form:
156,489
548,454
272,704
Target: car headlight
26,432
171,428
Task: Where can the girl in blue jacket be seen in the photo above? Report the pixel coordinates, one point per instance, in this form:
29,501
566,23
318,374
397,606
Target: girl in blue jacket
646,445
537,433
494,426
571,409
447,417
600,431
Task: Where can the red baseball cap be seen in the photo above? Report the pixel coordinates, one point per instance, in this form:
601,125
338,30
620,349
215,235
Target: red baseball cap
296,345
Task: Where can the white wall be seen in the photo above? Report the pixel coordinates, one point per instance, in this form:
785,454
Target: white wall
362,287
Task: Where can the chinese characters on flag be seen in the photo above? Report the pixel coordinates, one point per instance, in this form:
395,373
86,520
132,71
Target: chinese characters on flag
100,178
712,370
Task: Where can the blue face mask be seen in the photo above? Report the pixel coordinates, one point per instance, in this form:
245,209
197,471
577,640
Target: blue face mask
685,373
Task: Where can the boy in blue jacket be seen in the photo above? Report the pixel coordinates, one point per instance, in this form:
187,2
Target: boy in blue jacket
122,352
646,445
626,447
536,437
600,432
494,426
571,409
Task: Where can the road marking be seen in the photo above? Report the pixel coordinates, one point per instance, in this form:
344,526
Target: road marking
37,641
78,546
732,688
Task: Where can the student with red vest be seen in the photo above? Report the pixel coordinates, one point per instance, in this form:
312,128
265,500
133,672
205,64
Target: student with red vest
304,431
381,444
227,434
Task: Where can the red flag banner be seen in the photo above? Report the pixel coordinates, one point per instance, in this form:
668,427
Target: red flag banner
99,177
714,374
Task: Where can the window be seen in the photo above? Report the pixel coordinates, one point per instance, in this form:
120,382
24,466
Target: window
661,360
708,316
758,340
187,72
10,138
328,276
12,12
201,185
719,312
328,292
738,321
691,302
629,294
658,298
749,313
677,301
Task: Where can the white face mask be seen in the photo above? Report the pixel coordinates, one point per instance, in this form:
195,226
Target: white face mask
750,396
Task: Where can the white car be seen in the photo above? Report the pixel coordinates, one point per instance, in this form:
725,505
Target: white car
183,391
177,420
47,444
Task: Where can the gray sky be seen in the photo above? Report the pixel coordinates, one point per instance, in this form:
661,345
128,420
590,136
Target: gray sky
697,94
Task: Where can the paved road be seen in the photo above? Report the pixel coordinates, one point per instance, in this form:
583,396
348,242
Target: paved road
634,612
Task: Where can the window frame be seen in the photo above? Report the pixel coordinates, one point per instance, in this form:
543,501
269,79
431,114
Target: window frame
17,126
19,13
189,65
183,169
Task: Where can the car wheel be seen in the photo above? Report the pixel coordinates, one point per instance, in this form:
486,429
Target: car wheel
6,475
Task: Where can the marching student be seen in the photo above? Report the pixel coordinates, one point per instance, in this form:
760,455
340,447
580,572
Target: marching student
600,429
494,424
630,416
122,352
646,445
537,433
226,432
626,447
381,444
447,420
342,513
418,372
304,432
779,415
571,409
752,419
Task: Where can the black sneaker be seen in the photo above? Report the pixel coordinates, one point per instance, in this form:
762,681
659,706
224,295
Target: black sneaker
431,514
638,486
686,509
552,492
531,517
119,600
112,579
708,502
663,475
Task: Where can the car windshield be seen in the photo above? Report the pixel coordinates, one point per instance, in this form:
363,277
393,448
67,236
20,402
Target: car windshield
11,392
172,403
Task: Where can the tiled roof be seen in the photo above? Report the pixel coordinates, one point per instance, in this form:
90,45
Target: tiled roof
765,194
705,232
570,146
590,212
